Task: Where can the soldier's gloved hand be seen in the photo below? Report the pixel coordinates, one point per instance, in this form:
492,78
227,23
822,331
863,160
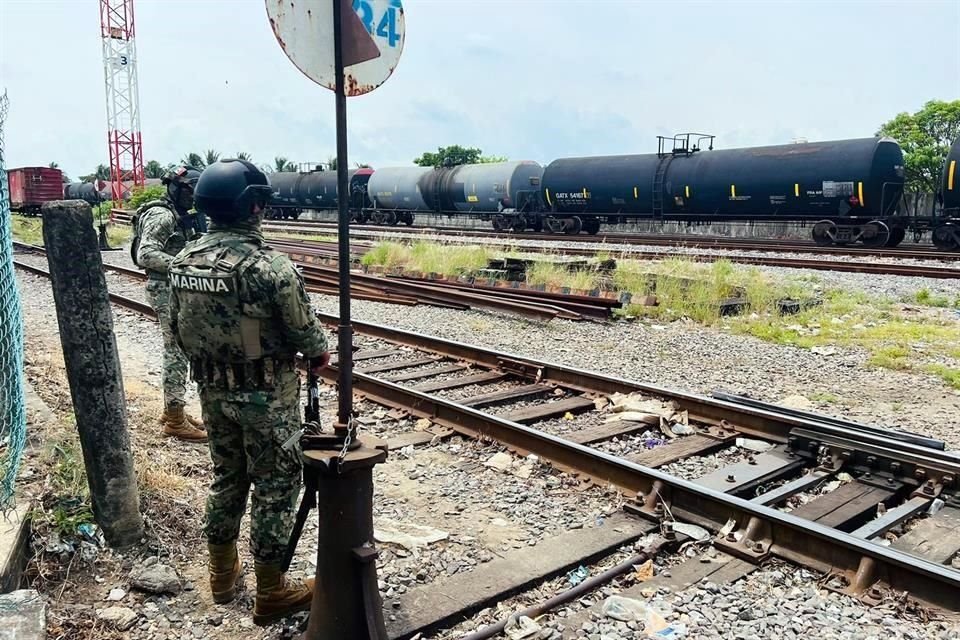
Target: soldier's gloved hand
317,363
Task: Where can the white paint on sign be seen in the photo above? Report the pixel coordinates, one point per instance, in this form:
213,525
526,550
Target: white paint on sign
372,33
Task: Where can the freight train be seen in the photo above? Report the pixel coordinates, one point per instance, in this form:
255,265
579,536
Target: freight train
847,190
30,187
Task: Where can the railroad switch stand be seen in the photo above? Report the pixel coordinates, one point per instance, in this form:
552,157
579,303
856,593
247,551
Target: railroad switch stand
346,598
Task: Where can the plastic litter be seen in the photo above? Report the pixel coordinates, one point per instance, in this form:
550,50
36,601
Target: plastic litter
407,535
578,575
522,627
678,630
750,444
624,609
936,506
683,430
692,531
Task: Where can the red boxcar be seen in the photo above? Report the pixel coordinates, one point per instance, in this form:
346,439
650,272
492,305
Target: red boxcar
30,187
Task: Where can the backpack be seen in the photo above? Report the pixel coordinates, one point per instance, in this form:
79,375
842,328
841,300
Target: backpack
135,225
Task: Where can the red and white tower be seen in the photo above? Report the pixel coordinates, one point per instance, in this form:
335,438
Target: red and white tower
123,97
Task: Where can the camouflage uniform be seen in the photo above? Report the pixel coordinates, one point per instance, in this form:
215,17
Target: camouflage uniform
162,236
241,313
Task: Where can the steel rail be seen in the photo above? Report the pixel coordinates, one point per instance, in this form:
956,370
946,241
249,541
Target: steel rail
764,531
847,266
614,238
777,533
123,301
768,422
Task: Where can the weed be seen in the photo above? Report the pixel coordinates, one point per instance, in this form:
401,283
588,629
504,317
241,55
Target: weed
28,230
557,275
928,299
890,357
949,375
825,397
387,254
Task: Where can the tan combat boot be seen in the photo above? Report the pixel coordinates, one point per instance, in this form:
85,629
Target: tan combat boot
279,596
176,425
224,567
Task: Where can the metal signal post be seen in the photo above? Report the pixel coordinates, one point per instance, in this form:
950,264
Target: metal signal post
344,425
118,31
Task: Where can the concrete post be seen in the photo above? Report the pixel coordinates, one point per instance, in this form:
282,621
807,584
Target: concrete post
93,367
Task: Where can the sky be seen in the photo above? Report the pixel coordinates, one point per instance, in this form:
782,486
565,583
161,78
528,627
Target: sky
531,80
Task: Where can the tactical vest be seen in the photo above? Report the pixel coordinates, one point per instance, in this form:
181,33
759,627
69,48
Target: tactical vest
174,243
219,328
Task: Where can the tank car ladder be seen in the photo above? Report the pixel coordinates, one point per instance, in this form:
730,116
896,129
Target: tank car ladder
658,180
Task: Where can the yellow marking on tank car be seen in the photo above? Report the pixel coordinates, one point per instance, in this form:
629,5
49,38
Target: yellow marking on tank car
584,192
953,170
635,193
547,192
472,198
733,191
796,189
687,191
860,193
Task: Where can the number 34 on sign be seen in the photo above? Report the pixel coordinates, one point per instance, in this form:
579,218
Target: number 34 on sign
381,26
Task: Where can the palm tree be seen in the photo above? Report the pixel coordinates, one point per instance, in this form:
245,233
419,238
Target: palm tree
282,164
193,160
153,169
212,156
332,163
53,165
102,172
243,155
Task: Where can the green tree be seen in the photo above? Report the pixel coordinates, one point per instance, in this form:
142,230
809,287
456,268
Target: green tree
212,156
243,155
492,159
154,169
139,195
925,138
63,174
193,160
102,172
282,164
449,156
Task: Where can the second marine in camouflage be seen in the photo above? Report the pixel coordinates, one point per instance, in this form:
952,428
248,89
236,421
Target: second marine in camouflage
161,229
241,313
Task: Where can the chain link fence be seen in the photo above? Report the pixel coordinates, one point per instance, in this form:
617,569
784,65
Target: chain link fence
13,420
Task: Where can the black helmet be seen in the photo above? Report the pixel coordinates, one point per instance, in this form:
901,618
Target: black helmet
228,189
180,185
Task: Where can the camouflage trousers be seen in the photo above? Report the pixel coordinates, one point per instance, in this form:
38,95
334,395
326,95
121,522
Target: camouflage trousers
174,361
247,434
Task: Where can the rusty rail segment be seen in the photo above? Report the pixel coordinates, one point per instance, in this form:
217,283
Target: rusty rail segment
758,531
657,239
769,261
123,301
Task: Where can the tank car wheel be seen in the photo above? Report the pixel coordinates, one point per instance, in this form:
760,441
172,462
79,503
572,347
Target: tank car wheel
519,223
552,225
573,225
896,237
499,223
875,234
391,219
408,219
823,233
591,226
946,237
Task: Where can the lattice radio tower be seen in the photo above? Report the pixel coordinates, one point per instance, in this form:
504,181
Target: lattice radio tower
123,97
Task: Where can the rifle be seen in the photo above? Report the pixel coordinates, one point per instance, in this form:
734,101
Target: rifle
308,440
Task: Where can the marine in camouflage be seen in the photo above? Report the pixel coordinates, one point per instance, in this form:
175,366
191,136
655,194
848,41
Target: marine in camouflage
163,236
241,313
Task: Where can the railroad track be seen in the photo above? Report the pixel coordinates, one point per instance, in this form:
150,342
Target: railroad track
885,268
918,252
846,484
